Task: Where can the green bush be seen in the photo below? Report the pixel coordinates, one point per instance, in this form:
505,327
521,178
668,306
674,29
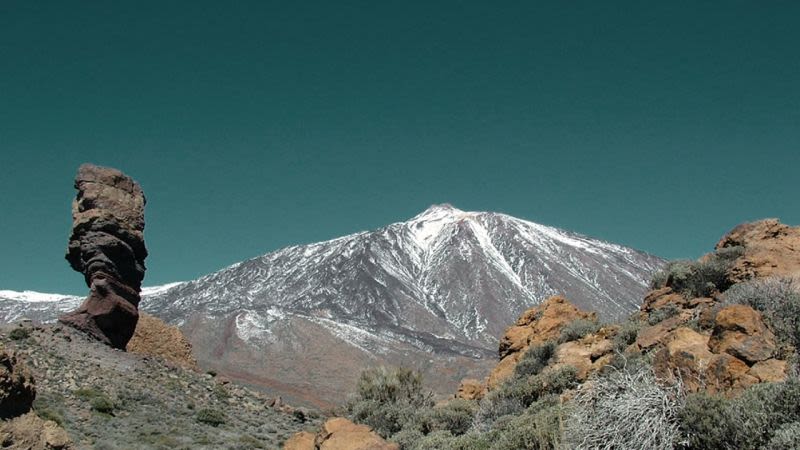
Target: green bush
763,414
698,278
102,404
398,385
626,335
577,329
437,440
472,441
530,389
455,417
662,314
389,400
49,407
407,438
786,438
778,299
210,416
19,333
87,393
385,418
535,359
516,395
538,428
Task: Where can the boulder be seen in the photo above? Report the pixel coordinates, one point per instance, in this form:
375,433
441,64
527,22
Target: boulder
653,335
740,332
29,432
107,246
659,298
727,374
303,440
686,355
339,433
153,337
470,389
769,371
17,389
770,249
534,327
588,354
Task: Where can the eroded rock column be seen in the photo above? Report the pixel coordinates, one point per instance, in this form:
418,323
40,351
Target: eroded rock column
107,246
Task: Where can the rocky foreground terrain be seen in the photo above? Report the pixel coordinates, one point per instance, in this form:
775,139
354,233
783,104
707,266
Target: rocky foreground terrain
110,399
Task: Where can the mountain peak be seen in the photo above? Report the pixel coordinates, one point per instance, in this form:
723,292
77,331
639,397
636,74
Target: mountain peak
439,209
425,226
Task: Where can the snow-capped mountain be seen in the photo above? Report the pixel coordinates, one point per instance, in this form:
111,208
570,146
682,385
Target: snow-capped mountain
435,292
37,306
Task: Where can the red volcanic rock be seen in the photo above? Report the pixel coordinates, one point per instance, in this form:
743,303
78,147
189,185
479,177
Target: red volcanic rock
770,249
740,332
339,433
17,389
107,246
534,327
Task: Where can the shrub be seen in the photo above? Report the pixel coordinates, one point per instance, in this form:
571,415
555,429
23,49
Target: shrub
577,329
535,359
626,335
786,438
762,414
49,407
495,409
102,404
19,333
624,409
698,278
389,400
87,393
778,299
538,428
662,314
437,440
407,438
518,394
210,416
385,418
472,441
455,416
399,385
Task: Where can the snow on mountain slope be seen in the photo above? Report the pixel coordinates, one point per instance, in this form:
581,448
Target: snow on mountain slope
434,292
446,283
36,306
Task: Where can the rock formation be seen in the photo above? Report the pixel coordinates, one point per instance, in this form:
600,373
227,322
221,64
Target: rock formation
30,432
153,337
770,249
107,246
17,389
535,326
339,433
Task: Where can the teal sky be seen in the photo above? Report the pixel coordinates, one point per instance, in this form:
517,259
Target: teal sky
256,125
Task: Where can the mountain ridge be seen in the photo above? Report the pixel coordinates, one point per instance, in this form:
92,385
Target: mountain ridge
441,285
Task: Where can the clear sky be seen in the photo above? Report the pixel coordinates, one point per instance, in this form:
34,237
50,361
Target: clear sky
257,125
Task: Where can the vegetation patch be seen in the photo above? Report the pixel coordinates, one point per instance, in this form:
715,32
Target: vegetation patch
210,416
19,333
625,408
578,329
699,278
778,300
